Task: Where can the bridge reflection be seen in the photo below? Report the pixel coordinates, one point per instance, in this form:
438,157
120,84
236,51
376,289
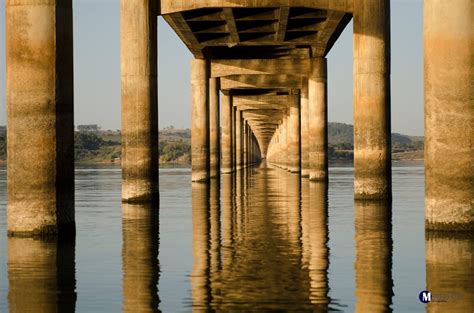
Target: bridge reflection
260,243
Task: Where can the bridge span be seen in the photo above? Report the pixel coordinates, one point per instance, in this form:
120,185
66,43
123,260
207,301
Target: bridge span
259,90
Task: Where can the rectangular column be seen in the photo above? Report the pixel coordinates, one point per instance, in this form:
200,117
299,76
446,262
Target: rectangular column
449,114
372,142
200,120
138,46
40,117
234,138
294,140
214,130
318,117
226,139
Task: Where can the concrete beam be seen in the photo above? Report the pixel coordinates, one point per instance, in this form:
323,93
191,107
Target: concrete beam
296,67
173,6
261,81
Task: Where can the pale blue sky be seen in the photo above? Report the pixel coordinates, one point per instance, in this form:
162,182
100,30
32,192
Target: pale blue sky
97,69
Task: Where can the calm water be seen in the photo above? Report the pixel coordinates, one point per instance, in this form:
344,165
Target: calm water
265,240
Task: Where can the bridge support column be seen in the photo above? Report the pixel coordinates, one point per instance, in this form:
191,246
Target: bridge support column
226,139
200,120
318,120
245,144
449,114
139,101
234,138
214,130
238,140
372,143
305,168
294,139
40,109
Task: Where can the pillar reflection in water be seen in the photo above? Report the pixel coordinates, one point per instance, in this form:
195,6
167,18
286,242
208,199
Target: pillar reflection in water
201,247
140,231
259,263
450,271
373,264
315,239
41,275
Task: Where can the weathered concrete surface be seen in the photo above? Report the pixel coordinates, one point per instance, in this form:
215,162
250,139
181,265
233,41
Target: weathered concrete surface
294,139
138,45
372,154
449,114
450,271
170,6
318,120
234,136
245,144
214,127
238,140
373,256
41,274
40,117
226,139
200,120
305,139
140,236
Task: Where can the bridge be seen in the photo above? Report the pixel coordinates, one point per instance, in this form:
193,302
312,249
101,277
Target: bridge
259,91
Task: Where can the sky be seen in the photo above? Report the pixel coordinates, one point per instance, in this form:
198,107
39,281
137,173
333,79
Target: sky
97,69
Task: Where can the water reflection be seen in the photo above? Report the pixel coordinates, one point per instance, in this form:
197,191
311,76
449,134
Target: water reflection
41,275
373,264
262,245
140,231
450,271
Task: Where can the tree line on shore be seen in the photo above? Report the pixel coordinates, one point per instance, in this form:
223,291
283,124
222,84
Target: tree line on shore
98,146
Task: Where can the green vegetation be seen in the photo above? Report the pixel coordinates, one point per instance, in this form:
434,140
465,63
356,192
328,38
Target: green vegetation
95,146
3,148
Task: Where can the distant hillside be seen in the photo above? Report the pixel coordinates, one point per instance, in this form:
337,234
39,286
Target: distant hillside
175,145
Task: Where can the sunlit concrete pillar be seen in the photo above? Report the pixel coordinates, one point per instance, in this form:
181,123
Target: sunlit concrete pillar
294,139
245,144
450,271
40,117
140,265
41,275
305,140
372,155
373,260
318,120
214,127
449,114
284,144
226,139
234,138
138,46
238,140
200,120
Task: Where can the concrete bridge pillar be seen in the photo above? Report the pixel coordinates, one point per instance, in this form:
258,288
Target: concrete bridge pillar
214,130
318,120
305,140
200,120
449,114
245,143
294,139
140,159
238,140
226,140
40,117
372,142
234,137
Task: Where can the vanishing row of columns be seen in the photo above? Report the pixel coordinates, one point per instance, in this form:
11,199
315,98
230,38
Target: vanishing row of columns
222,140
40,111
